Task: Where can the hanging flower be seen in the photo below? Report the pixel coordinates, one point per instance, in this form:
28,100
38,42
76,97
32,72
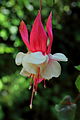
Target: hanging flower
38,62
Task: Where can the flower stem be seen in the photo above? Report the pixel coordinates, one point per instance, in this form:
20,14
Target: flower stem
40,5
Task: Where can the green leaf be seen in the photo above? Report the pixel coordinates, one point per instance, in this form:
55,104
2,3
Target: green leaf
77,67
78,83
6,49
1,85
2,18
4,34
13,29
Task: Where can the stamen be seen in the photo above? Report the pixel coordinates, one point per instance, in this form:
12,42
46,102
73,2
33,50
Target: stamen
33,91
30,106
44,83
30,87
30,84
35,83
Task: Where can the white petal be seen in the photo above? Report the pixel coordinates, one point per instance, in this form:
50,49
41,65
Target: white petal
32,61
31,68
35,58
58,57
19,58
24,73
52,69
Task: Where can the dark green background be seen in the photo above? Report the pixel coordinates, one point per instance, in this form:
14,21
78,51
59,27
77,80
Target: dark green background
14,92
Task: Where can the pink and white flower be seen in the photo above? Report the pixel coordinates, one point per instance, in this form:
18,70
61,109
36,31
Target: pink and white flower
38,62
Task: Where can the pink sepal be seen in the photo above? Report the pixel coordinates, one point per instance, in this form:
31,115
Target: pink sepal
38,36
50,34
24,33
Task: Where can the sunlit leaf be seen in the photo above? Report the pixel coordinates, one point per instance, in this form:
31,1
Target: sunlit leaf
5,49
66,8
17,43
30,7
4,34
1,85
13,29
77,67
10,3
15,21
2,17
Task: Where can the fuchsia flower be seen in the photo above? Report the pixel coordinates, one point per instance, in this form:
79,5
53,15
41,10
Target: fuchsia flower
38,62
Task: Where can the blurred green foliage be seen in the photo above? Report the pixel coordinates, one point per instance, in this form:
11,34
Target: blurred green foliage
77,67
77,82
14,92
